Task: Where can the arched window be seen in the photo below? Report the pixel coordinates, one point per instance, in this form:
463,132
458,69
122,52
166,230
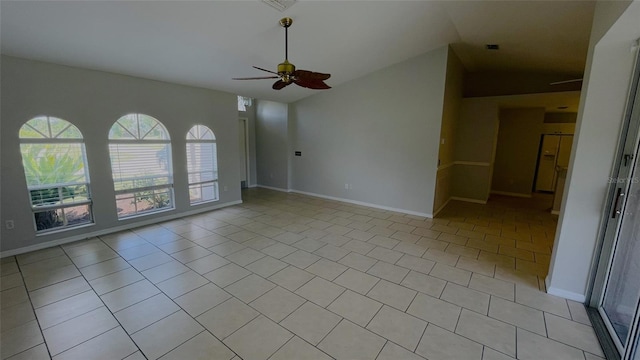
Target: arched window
140,150
55,167
202,165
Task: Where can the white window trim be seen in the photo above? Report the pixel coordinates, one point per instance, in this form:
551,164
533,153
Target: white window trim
214,182
135,192
45,139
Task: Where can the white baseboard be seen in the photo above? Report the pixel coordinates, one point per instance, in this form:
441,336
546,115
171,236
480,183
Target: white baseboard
274,188
506,193
435,213
252,186
362,203
475,201
581,298
114,229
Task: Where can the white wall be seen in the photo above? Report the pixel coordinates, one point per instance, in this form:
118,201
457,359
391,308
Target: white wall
605,92
272,144
379,133
93,101
250,115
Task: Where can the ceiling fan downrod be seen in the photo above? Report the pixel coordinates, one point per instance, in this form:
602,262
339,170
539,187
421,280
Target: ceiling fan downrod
286,69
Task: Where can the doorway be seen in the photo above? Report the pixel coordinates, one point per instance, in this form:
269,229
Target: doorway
614,304
243,141
555,151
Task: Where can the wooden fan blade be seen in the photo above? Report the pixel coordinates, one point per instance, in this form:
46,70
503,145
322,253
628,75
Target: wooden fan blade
280,84
312,84
269,71
306,74
258,78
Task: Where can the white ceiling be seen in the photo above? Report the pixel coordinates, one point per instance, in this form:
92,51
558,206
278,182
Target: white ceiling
206,43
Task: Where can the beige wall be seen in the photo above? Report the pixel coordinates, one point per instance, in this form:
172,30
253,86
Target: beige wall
475,141
517,150
450,117
483,84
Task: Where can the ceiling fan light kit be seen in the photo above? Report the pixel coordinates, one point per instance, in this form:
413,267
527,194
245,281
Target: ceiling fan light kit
287,73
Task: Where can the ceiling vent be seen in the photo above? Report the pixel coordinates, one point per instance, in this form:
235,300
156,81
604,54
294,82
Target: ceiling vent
492,47
280,5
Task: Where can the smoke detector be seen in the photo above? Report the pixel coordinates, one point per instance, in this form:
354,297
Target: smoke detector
280,5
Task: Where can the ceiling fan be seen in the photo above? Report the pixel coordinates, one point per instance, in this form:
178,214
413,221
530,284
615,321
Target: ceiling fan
287,73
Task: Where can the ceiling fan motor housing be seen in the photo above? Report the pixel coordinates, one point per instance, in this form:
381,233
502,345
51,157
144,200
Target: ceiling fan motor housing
286,68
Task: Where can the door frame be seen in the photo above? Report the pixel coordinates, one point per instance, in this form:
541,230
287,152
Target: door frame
609,229
245,120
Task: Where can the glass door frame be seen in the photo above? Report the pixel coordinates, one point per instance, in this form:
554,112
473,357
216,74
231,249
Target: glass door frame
628,146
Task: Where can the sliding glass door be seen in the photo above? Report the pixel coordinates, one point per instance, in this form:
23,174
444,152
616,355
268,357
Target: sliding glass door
615,300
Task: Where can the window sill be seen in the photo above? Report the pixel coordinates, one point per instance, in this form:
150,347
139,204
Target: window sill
65,229
145,214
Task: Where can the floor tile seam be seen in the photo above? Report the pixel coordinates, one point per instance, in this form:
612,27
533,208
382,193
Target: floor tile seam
95,336
560,342
169,253
516,331
33,347
329,332
404,312
535,309
114,249
330,280
561,317
106,307
71,318
109,273
455,332
336,325
238,329
298,288
29,292
544,311
460,306
449,281
424,331
44,341
281,259
231,253
285,343
310,344
192,290
45,270
22,285
402,346
38,260
156,321
204,329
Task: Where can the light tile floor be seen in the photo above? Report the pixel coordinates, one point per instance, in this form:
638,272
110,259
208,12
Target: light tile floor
287,276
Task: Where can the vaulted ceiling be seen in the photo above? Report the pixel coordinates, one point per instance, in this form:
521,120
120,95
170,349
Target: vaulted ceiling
206,43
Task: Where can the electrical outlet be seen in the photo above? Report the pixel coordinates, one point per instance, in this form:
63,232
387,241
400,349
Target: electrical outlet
346,186
225,188
9,224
